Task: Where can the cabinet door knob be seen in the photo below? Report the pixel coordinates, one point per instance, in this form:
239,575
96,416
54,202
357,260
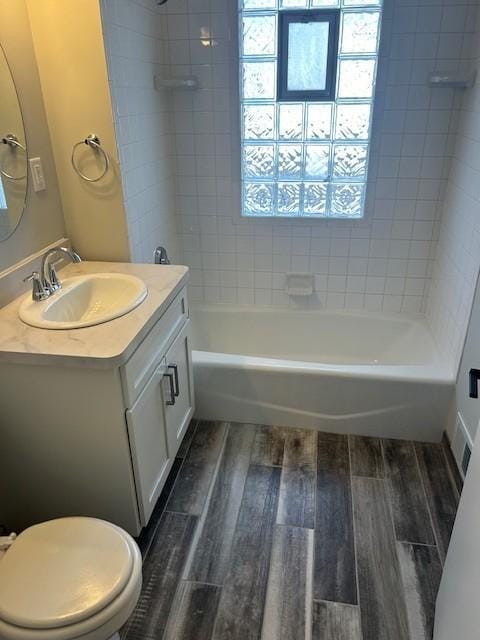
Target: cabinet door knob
175,374
172,400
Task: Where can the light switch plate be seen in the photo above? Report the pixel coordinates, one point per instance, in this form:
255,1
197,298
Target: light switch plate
36,171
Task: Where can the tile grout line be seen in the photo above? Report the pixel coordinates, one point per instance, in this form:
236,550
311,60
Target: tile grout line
293,526
434,529
309,585
395,540
388,489
342,604
275,524
417,544
201,582
352,500
311,578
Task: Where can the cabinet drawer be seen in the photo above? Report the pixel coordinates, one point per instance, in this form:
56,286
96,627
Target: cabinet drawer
149,354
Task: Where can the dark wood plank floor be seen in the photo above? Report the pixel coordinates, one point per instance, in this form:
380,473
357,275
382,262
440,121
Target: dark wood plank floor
270,533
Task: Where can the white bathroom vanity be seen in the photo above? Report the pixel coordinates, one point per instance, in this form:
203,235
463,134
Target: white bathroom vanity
91,419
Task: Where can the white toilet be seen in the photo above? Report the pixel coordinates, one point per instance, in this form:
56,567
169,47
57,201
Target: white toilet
67,579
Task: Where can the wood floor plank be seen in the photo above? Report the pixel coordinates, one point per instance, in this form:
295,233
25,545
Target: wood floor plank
335,621
296,506
191,488
269,446
421,572
240,611
382,602
147,535
334,567
162,571
288,606
442,497
366,457
410,510
211,550
193,612
187,439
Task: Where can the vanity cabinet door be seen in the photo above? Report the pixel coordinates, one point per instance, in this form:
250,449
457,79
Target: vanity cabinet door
146,430
178,389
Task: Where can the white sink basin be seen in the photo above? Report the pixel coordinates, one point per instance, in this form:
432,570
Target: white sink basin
85,301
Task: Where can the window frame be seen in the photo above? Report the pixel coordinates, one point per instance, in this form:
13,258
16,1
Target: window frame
285,18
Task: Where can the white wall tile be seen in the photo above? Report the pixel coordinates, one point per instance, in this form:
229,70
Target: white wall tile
383,262
458,254
135,47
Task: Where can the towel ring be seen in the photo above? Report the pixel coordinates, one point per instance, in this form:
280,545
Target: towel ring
12,141
94,143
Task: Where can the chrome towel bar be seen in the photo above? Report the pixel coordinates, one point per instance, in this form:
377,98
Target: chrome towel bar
92,141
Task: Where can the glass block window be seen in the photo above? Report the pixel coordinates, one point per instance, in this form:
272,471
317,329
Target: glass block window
306,157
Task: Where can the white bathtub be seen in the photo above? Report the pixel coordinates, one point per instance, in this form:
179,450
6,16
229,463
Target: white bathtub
344,372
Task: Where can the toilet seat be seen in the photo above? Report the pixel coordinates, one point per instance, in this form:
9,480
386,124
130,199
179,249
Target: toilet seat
68,578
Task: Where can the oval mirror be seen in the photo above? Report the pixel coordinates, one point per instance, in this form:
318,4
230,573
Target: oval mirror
13,154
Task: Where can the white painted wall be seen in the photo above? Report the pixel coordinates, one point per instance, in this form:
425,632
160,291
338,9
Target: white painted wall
458,613
469,408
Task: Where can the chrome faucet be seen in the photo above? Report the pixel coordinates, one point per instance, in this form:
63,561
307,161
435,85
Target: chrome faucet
47,281
160,256
47,271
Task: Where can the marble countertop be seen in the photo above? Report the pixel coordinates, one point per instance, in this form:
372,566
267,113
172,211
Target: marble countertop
103,346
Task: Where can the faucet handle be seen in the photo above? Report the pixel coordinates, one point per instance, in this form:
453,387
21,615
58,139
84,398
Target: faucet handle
39,292
53,279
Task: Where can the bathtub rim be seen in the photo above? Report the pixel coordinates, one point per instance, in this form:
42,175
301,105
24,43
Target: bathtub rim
435,372
417,321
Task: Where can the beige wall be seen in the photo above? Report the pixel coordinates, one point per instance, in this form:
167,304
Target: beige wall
68,43
42,222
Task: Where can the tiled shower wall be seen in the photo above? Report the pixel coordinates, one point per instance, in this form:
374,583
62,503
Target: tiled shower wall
135,38
458,255
382,262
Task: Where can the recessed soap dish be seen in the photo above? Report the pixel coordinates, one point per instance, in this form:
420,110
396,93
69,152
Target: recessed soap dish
299,284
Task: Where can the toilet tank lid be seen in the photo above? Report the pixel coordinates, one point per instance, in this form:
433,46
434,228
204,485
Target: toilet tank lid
64,571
